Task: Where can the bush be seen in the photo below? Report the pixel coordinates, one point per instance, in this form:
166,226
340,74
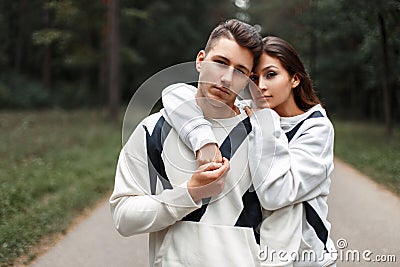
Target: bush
18,91
71,95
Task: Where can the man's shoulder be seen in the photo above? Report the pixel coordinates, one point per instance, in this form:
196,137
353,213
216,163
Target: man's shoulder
182,87
151,121
136,138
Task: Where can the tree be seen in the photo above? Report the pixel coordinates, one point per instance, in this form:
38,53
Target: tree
351,49
113,87
385,80
46,78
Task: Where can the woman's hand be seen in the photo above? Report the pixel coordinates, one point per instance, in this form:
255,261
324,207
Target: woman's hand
250,111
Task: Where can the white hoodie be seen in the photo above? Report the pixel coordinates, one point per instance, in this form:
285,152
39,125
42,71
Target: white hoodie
150,196
290,161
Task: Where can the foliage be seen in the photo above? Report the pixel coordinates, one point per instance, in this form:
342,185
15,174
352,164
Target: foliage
53,165
340,42
154,34
364,145
19,91
170,32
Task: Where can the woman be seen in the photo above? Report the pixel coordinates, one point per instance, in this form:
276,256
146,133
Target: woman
290,154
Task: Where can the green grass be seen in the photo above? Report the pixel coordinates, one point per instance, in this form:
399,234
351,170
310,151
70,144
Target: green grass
53,165
365,146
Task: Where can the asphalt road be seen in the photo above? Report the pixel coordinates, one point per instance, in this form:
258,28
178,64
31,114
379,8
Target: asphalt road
365,222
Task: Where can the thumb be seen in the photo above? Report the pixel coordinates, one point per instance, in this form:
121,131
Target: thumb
248,110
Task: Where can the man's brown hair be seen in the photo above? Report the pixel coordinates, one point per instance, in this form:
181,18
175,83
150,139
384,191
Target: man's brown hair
244,34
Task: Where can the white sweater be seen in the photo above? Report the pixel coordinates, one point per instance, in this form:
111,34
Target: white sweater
290,161
150,196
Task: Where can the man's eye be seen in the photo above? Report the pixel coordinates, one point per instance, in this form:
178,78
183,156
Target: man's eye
240,71
220,62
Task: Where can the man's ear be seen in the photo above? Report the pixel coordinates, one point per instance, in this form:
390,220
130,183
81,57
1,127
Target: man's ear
199,59
295,80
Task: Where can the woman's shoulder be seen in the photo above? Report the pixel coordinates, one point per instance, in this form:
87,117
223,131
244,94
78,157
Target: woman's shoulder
314,122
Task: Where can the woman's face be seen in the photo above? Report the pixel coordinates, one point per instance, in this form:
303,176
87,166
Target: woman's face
275,85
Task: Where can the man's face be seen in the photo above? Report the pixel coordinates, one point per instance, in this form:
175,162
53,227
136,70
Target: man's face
224,71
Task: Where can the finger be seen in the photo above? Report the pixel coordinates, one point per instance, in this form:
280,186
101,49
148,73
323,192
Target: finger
213,174
218,156
225,165
248,110
202,162
210,166
217,172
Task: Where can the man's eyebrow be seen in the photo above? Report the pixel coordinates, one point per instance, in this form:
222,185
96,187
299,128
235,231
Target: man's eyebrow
244,68
221,57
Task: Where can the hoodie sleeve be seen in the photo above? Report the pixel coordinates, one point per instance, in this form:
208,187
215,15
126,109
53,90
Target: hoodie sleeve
134,210
287,173
185,116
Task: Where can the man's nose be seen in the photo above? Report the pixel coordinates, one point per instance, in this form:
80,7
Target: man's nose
227,76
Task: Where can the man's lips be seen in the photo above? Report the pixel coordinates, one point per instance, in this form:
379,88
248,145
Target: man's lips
223,89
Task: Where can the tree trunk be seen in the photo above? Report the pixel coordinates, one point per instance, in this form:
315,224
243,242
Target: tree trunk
46,67
46,79
102,74
385,85
20,36
313,54
313,40
114,58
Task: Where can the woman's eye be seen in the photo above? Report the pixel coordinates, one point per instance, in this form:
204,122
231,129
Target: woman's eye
254,78
270,75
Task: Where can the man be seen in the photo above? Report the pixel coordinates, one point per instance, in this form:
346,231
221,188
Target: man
196,216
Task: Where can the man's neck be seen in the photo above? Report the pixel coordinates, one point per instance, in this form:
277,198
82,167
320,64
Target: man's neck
217,110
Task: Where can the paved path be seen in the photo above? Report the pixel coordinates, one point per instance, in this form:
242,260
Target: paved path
364,214
361,212
96,243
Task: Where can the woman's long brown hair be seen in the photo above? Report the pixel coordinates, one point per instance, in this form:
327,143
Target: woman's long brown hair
304,94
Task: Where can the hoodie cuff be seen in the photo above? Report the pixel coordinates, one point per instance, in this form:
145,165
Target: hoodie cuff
178,201
199,136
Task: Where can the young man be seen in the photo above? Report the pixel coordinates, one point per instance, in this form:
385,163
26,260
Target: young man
196,216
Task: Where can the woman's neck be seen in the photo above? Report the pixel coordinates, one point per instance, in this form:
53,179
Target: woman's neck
289,109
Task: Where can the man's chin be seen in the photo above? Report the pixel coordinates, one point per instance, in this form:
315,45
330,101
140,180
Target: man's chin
215,101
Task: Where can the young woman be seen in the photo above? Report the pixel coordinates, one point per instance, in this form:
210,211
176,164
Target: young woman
290,153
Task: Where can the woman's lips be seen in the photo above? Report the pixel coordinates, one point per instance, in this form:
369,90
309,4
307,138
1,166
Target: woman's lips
265,97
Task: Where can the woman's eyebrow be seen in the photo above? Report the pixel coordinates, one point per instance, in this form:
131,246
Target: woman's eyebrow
270,66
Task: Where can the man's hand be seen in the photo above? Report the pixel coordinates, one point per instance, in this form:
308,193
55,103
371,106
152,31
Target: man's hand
208,180
208,153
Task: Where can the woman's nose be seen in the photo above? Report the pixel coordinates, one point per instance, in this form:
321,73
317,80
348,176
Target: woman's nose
262,85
